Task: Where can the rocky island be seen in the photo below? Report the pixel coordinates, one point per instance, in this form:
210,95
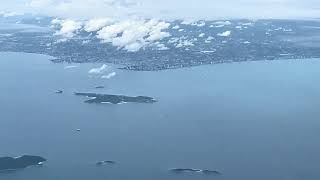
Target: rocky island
190,170
15,163
103,163
115,99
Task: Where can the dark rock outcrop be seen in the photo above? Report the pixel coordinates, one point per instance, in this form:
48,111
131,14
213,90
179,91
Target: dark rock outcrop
190,170
115,99
59,92
102,163
10,163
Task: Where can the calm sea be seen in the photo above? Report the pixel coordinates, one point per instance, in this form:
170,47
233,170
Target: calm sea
252,121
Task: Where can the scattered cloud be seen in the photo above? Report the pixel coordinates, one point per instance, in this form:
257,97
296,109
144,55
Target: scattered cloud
97,24
176,27
70,67
132,35
224,34
99,70
202,35
109,76
104,72
209,39
68,28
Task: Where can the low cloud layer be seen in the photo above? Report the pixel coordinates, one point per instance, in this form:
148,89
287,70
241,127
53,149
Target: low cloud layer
169,9
134,34
130,35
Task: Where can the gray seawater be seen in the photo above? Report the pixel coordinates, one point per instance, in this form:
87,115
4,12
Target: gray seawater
255,120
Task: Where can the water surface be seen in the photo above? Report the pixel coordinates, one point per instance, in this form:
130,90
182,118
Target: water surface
257,120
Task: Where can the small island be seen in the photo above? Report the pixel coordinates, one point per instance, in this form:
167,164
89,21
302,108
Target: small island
115,99
103,163
190,170
59,92
15,163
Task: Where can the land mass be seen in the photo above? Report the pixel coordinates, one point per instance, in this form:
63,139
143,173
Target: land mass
191,45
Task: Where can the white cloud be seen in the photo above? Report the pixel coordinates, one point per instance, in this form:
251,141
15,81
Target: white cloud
97,24
100,70
70,67
56,21
209,39
134,47
103,72
156,31
176,27
202,35
225,34
109,76
68,27
132,35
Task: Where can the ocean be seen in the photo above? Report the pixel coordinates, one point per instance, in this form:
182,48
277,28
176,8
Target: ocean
249,120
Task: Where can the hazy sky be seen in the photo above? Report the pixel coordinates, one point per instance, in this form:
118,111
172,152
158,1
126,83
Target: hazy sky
192,9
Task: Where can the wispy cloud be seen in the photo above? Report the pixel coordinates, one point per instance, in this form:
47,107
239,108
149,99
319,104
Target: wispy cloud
109,76
103,71
199,9
99,70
